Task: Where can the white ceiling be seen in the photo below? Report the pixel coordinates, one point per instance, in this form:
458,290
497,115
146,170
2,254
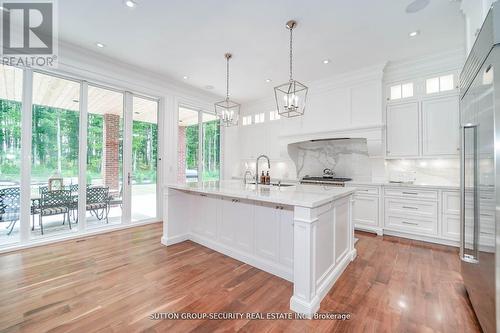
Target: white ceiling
189,38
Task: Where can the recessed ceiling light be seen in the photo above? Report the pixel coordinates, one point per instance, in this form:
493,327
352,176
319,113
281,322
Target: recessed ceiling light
130,3
185,77
209,87
101,45
414,33
268,80
326,61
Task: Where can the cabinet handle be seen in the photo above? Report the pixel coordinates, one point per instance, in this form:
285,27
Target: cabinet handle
277,207
412,193
203,195
489,215
410,207
410,223
281,207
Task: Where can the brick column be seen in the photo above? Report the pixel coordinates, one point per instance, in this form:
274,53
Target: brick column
181,154
110,154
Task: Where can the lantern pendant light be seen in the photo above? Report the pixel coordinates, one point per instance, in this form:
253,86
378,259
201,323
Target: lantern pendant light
227,110
291,96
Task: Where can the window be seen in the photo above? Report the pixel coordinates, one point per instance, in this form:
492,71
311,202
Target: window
439,84
198,154
105,151
211,147
11,82
188,145
274,115
259,118
55,154
246,120
144,157
399,91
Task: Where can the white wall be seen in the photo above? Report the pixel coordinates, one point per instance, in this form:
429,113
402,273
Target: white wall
346,101
353,100
475,12
94,67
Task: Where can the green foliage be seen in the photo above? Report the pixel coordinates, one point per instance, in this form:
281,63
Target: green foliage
55,144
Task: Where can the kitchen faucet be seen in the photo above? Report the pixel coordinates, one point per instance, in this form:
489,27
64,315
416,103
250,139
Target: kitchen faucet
257,167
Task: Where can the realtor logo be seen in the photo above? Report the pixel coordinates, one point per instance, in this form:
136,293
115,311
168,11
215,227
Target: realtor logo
28,33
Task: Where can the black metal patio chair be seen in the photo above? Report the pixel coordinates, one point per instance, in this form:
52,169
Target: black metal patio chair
55,203
98,202
10,199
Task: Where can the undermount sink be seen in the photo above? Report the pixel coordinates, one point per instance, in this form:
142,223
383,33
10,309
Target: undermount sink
275,184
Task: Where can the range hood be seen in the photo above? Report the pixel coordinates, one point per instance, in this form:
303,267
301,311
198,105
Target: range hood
372,134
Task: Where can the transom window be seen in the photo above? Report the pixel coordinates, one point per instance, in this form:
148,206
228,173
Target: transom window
246,120
274,115
259,118
404,90
439,84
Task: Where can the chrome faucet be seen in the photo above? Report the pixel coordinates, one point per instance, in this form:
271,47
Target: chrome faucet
248,172
257,167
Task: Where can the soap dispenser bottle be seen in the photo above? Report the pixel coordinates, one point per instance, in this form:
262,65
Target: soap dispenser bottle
268,179
262,178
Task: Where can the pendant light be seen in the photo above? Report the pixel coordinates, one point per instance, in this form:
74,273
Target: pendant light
227,110
291,96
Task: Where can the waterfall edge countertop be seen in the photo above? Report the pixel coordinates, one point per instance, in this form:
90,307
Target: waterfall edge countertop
309,196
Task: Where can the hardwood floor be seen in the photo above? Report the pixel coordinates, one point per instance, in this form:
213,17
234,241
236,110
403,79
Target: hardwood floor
113,282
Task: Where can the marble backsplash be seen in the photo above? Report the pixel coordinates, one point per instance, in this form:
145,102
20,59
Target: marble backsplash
428,171
346,157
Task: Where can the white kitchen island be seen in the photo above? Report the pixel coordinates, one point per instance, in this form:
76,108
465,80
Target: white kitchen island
302,233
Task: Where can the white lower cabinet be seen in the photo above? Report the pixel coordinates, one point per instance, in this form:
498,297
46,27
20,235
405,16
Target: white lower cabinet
274,233
237,223
204,215
366,208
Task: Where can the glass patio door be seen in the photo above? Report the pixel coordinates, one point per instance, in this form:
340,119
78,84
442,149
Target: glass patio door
142,174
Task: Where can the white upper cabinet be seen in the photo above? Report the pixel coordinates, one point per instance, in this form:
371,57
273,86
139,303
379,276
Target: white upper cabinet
422,117
402,130
440,126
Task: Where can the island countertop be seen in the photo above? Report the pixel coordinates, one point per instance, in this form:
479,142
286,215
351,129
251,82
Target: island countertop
309,196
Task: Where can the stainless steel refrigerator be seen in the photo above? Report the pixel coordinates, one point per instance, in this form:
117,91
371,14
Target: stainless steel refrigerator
480,173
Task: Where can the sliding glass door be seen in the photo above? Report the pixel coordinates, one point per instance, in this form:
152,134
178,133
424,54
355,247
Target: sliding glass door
104,157
55,155
11,81
198,154
144,158
93,156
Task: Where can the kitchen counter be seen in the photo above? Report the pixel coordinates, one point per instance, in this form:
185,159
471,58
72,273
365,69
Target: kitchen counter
301,233
415,184
297,195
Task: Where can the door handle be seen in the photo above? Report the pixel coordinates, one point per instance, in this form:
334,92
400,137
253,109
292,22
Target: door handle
129,178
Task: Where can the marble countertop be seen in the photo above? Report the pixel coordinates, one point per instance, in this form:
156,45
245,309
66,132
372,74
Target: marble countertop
309,196
414,184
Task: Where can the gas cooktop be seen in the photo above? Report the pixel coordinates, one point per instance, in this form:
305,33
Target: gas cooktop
324,180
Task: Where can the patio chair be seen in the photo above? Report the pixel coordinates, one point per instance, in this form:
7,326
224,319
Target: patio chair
98,202
10,206
116,199
55,203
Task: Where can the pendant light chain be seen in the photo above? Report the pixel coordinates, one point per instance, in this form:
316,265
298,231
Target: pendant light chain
291,53
227,78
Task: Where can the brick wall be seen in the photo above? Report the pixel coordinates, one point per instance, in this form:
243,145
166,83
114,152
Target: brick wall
111,158
181,154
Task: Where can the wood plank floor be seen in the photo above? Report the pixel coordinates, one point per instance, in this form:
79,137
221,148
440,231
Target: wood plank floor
113,282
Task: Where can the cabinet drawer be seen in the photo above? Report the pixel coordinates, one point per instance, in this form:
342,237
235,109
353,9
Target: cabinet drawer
411,224
411,193
427,209
363,189
451,228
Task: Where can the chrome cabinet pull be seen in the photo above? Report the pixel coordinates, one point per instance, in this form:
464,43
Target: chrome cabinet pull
409,207
412,193
410,223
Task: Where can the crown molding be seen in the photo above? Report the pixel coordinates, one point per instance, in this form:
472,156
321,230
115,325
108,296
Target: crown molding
91,65
447,61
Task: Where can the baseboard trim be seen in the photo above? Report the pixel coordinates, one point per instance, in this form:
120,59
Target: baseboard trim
428,239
